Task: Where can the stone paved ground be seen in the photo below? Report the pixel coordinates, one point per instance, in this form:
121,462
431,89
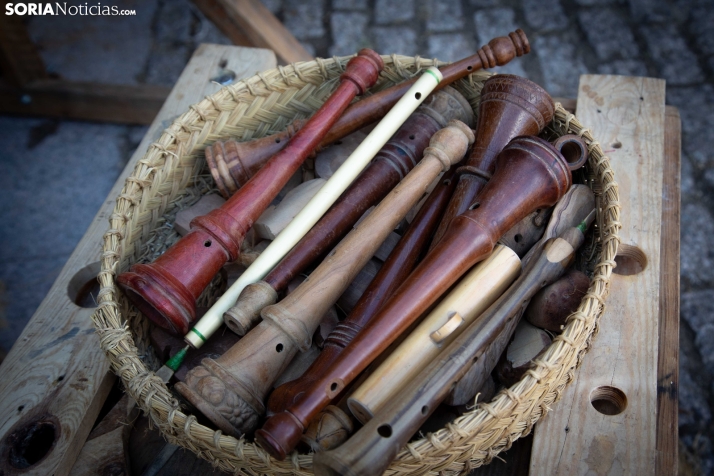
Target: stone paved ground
668,39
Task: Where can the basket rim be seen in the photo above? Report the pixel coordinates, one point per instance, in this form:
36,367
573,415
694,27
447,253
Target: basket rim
454,448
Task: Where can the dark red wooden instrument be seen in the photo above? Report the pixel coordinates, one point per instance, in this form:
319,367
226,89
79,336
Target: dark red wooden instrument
510,106
530,174
233,163
402,260
391,164
166,290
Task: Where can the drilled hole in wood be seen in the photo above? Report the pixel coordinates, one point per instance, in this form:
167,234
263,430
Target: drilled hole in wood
630,260
608,400
417,95
224,77
207,243
83,288
30,444
424,410
333,387
279,348
385,431
518,237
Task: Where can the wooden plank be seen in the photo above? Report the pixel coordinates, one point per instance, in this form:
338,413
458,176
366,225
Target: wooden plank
106,451
56,375
668,360
217,14
627,117
125,104
19,58
263,30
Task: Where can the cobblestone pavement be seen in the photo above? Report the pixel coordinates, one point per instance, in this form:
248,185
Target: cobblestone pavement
668,39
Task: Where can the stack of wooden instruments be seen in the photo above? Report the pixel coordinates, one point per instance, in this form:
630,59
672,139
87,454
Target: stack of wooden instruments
389,285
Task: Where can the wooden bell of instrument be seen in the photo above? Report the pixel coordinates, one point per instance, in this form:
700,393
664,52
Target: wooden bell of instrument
510,106
230,390
531,174
392,163
166,290
232,163
400,263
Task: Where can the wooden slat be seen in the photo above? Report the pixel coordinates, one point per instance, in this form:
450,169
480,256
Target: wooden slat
19,60
215,12
56,371
668,360
126,104
260,27
627,116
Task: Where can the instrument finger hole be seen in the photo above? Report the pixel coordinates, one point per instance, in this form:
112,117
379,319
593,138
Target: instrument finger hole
385,431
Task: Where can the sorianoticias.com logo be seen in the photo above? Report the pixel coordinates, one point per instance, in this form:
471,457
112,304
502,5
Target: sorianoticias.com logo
61,8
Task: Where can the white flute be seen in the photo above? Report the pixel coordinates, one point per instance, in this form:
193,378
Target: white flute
318,205
472,296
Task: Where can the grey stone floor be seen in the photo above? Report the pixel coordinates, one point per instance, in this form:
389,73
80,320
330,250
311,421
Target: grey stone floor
48,166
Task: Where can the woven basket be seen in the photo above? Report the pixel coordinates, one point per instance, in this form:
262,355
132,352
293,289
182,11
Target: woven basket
173,173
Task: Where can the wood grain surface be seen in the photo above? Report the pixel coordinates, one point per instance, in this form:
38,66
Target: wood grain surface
668,360
56,370
627,116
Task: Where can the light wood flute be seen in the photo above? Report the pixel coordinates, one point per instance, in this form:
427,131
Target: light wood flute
230,390
317,206
375,445
471,297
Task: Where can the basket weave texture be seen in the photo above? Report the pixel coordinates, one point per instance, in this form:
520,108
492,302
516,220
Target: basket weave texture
173,169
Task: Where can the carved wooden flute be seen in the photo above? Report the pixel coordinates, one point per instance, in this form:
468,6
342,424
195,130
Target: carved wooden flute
510,106
166,290
471,297
373,447
234,163
530,174
241,377
391,164
317,206
401,261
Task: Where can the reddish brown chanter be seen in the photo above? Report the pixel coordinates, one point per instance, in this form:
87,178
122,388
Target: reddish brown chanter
232,163
529,174
510,106
166,290
400,263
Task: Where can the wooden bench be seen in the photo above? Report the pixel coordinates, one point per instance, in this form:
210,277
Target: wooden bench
55,379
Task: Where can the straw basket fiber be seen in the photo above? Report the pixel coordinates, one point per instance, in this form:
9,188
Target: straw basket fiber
173,174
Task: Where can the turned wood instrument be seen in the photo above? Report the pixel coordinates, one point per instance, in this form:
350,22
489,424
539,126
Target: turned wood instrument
511,106
576,206
374,446
471,297
230,390
317,206
392,163
232,163
405,256
530,174
166,290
